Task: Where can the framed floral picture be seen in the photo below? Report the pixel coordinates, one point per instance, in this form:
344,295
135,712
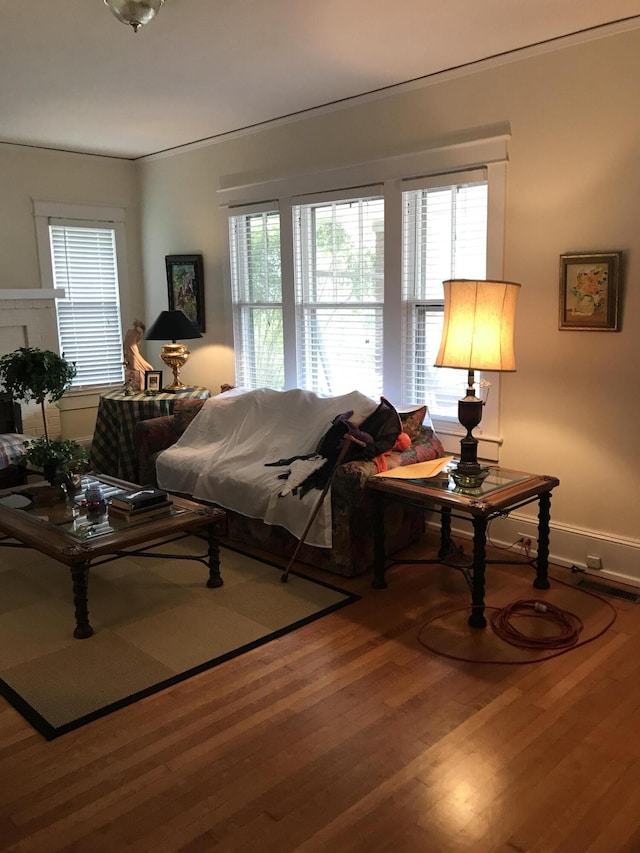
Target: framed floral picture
185,281
589,291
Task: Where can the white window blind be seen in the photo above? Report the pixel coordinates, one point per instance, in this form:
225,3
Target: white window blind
444,236
84,263
256,284
339,295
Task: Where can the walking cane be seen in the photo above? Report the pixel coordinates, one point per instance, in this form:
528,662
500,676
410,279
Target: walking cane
345,446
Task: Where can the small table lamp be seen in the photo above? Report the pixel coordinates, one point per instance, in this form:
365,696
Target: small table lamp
173,325
477,335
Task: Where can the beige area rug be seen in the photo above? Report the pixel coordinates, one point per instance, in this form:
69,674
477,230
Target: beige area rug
156,623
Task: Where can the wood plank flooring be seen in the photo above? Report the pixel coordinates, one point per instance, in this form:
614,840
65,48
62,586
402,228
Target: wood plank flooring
350,735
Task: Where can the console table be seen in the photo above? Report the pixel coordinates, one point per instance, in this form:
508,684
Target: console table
502,492
112,449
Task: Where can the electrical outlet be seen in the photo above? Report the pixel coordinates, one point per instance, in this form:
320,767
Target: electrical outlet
527,542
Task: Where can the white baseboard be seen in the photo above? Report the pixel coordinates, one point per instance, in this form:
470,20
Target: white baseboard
568,546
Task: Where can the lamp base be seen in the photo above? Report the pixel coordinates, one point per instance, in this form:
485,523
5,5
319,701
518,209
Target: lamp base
469,474
470,477
175,356
177,389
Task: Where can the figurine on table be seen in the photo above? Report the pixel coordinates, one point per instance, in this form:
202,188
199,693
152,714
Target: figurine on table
135,365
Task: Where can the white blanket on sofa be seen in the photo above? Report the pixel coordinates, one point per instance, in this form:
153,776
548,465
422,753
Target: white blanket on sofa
221,455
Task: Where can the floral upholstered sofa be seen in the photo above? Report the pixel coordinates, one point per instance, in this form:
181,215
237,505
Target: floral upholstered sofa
349,503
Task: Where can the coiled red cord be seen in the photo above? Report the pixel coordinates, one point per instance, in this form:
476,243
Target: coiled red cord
569,625
567,638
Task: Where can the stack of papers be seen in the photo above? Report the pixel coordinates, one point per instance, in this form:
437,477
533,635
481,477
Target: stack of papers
419,470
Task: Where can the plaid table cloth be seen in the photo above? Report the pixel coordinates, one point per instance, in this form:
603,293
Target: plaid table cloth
112,450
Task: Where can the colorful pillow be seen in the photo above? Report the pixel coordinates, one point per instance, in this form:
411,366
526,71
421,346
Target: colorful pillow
412,422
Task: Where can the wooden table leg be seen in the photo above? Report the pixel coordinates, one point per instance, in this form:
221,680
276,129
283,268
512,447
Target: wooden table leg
378,581
80,581
542,561
215,578
477,619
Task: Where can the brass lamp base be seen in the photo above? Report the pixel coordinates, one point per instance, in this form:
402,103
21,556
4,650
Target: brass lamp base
175,356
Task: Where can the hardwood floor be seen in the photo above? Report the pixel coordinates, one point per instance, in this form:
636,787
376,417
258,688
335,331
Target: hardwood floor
350,735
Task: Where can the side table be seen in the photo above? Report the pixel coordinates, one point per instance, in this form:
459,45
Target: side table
112,449
502,492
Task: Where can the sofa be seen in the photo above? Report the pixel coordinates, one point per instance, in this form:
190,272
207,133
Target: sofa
349,504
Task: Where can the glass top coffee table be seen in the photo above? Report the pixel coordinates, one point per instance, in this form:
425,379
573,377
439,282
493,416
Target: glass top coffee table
33,516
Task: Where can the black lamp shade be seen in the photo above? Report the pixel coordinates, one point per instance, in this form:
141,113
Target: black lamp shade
172,326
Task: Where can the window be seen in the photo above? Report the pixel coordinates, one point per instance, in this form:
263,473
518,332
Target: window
359,272
340,295
444,236
339,248
80,256
256,287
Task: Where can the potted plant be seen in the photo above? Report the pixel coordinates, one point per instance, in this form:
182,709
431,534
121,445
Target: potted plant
30,373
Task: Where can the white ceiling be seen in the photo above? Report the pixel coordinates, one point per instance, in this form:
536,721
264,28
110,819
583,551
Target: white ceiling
73,77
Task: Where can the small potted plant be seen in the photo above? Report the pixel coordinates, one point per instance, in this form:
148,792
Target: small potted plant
30,373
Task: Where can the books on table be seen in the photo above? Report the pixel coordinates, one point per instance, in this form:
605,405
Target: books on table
142,502
141,497
145,512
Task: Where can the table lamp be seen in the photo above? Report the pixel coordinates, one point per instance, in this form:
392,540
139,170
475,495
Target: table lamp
173,325
477,334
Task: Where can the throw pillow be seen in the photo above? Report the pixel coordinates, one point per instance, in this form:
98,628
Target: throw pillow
412,422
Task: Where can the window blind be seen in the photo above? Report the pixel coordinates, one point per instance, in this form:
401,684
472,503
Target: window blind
84,263
339,295
256,284
444,236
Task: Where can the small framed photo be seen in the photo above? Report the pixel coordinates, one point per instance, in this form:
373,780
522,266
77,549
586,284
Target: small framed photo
590,291
153,381
185,280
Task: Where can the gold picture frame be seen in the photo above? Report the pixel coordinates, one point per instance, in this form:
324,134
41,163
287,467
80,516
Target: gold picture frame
590,291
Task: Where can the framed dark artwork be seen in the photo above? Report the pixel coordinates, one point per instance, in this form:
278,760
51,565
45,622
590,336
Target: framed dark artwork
153,381
590,291
185,280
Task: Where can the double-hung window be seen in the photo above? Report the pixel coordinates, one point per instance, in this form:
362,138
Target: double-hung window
444,236
339,294
80,256
256,288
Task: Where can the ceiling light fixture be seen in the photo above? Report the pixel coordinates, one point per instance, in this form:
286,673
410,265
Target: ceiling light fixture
135,13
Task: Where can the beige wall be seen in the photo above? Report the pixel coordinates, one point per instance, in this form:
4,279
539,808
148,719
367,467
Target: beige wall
28,174
573,184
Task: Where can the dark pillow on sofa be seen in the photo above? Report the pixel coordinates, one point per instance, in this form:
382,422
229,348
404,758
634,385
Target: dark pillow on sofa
412,422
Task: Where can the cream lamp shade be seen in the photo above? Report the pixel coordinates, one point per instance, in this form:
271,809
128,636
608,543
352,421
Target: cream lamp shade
479,318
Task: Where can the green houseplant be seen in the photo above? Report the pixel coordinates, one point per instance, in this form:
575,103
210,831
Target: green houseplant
29,373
